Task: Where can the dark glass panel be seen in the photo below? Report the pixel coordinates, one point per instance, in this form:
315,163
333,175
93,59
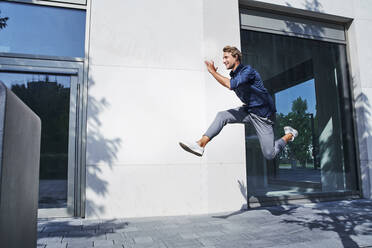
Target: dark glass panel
49,97
307,80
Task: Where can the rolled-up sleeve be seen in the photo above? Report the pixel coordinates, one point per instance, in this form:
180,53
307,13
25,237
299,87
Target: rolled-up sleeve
244,76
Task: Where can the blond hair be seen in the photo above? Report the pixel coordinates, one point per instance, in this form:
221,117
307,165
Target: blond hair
234,52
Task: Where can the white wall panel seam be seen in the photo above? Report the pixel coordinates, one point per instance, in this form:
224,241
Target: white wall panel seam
148,67
173,164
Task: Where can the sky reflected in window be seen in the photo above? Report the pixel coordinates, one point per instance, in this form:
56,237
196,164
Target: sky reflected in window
41,30
10,79
285,98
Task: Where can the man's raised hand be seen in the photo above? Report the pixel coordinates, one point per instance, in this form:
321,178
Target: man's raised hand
210,66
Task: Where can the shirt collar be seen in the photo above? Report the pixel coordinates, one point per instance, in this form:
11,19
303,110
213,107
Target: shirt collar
233,73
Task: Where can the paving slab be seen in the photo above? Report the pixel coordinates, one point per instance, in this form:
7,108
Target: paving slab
335,224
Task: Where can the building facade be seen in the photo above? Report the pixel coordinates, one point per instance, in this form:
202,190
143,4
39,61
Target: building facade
119,83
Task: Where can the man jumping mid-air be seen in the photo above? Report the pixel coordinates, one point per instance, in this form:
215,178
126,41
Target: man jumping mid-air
258,107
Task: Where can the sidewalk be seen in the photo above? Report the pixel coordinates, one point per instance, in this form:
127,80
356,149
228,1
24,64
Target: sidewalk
330,224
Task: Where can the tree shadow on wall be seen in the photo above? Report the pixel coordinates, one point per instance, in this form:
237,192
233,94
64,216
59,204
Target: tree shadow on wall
51,101
101,152
311,5
243,191
364,133
311,30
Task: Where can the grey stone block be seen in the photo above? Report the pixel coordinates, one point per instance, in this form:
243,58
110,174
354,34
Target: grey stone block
130,229
362,240
189,235
103,243
56,245
80,233
79,239
109,246
20,131
61,228
78,246
114,236
56,234
125,242
207,242
183,243
143,240
211,234
170,226
153,245
47,240
90,227
79,243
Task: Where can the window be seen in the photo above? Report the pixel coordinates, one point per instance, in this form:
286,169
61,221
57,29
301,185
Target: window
42,30
308,80
42,62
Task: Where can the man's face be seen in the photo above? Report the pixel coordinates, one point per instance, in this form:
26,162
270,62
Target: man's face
229,61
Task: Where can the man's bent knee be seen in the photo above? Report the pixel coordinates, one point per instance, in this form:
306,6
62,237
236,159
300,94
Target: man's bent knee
221,115
268,154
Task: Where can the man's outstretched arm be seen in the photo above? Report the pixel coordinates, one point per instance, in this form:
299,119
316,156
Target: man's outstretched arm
224,81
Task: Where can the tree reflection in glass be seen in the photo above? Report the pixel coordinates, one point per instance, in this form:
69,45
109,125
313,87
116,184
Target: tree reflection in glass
49,97
3,21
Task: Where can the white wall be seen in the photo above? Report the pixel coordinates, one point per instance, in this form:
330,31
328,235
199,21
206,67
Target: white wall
148,89
360,33
226,153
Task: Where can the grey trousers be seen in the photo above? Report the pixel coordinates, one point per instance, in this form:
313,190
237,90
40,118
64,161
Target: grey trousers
263,127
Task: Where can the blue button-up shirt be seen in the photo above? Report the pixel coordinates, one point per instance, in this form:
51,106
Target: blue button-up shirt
248,86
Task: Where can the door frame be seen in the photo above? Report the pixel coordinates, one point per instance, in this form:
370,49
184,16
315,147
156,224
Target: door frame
73,67
338,24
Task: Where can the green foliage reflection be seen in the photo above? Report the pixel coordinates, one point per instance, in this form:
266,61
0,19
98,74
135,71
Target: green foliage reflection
301,149
51,102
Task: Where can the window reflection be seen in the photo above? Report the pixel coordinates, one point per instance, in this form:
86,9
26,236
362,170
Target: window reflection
297,163
304,77
49,97
41,30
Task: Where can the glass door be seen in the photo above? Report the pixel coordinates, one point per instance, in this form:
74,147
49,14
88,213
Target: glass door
307,79
53,95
